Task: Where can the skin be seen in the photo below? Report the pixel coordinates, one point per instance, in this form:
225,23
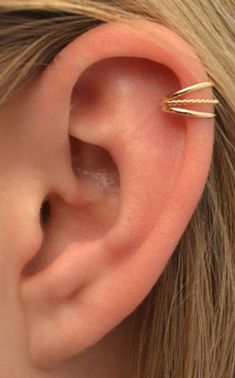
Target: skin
118,208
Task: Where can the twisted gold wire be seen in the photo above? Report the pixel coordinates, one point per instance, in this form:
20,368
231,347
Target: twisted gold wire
170,101
193,101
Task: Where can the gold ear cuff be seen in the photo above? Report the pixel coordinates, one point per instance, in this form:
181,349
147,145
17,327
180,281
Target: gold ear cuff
171,101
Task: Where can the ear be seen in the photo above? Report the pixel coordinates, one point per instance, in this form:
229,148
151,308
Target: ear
119,206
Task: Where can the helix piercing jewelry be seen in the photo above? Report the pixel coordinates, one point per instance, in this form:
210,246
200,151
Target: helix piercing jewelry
171,101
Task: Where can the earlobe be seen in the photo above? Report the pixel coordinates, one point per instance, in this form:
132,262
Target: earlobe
152,165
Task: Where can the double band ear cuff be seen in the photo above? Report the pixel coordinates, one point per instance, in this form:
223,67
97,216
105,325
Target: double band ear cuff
171,102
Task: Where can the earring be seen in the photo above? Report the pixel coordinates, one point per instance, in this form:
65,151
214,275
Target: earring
171,101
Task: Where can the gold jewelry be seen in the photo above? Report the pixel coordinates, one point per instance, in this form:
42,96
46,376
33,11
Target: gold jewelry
171,101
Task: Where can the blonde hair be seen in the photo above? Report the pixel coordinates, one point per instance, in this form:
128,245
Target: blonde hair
185,326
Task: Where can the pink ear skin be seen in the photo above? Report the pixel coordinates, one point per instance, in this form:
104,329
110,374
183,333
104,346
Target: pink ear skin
120,206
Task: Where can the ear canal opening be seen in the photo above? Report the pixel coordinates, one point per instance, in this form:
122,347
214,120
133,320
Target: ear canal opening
44,212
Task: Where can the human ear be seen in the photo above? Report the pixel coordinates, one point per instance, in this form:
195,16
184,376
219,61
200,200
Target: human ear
122,178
